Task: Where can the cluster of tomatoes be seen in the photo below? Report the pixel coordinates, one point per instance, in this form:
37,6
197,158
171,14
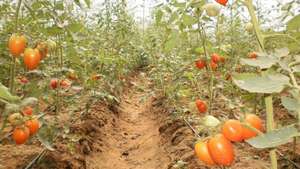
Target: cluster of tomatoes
25,125
214,61
32,56
218,150
55,83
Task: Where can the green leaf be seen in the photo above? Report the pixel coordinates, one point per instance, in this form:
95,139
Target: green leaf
291,104
188,20
274,138
262,62
75,27
6,95
77,2
172,41
180,4
158,16
88,3
294,24
266,83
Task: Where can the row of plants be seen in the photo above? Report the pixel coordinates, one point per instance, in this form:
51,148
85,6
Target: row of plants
207,49
53,55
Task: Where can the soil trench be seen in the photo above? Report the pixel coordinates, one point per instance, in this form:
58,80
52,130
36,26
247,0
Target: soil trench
133,141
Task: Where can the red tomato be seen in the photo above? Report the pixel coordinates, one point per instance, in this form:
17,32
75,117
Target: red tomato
202,153
254,121
213,65
215,58
53,83
16,44
221,150
222,2
252,55
200,64
27,111
201,105
32,58
233,130
20,135
33,126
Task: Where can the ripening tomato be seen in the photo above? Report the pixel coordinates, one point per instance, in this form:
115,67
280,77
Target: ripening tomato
53,83
221,150
200,64
222,59
222,2
20,135
213,65
65,84
215,58
252,55
95,77
32,58
43,49
33,126
233,130
27,111
201,106
254,121
23,80
202,153
15,119
16,44
212,9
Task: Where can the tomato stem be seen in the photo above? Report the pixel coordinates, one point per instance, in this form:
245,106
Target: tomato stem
13,62
270,127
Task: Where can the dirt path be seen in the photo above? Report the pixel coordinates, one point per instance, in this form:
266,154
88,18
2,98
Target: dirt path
133,142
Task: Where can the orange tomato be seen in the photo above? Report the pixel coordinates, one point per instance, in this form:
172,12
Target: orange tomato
20,135
252,55
213,65
233,130
95,77
33,126
254,121
32,58
200,64
201,106
221,150
27,111
222,2
202,153
65,84
215,58
16,44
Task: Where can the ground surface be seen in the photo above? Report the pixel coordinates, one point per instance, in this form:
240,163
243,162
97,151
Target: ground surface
135,141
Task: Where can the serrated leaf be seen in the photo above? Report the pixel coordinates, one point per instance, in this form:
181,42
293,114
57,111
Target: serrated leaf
274,138
263,62
211,121
266,83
